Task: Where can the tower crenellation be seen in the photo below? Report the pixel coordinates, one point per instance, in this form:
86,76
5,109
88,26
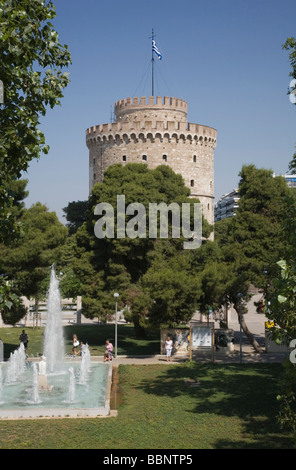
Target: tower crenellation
151,102
151,108
155,131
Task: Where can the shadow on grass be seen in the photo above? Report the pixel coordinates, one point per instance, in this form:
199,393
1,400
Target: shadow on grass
246,391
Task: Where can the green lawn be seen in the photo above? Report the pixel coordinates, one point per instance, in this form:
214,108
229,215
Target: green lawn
234,407
94,335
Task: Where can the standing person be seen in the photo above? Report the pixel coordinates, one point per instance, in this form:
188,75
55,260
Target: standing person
169,348
109,349
75,345
24,339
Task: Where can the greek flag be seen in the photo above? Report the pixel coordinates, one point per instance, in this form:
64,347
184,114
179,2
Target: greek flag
155,49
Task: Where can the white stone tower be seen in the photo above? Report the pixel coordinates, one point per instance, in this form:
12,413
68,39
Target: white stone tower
156,132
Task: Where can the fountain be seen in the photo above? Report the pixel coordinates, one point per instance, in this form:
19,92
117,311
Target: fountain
54,385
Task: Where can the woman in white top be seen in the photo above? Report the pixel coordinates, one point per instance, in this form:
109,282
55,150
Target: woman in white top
169,348
75,345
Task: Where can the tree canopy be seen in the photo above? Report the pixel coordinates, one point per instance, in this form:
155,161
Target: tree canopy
280,301
25,261
31,72
254,240
135,266
75,213
290,45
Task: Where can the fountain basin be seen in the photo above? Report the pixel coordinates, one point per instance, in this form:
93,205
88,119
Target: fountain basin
53,386
90,399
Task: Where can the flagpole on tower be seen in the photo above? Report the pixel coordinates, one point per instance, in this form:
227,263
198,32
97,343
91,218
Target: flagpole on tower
154,51
152,64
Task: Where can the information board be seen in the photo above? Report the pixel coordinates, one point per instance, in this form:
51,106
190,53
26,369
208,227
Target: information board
201,337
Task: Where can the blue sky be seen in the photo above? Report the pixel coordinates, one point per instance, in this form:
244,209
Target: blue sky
224,57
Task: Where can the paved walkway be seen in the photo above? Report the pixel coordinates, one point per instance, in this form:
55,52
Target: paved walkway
248,356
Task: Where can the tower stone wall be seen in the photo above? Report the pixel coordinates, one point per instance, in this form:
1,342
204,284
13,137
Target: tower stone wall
156,132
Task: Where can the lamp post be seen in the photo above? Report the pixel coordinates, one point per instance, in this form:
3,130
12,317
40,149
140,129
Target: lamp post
116,295
240,296
1,92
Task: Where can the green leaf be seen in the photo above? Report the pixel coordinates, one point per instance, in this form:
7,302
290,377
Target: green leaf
8,304
282,263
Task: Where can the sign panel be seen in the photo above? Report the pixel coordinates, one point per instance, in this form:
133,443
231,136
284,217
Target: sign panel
201,336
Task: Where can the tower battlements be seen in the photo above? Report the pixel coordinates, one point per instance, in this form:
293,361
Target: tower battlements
152,129
161,102
173,107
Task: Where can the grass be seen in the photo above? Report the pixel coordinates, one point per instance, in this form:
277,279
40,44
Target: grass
94,335
234,407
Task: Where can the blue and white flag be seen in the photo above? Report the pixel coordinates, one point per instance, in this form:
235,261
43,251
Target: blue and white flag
155,49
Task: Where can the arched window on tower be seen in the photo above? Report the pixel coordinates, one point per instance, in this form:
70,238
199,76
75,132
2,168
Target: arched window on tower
124,158
144,158
194,158
192,183
165,158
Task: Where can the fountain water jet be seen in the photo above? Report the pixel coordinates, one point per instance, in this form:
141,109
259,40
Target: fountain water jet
84,365
36,398
53,334
16,366
71,385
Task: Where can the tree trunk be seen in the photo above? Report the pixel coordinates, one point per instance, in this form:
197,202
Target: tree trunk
140,331
36,314
248,333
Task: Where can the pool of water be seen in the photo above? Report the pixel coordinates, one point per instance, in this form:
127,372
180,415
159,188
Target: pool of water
85,398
